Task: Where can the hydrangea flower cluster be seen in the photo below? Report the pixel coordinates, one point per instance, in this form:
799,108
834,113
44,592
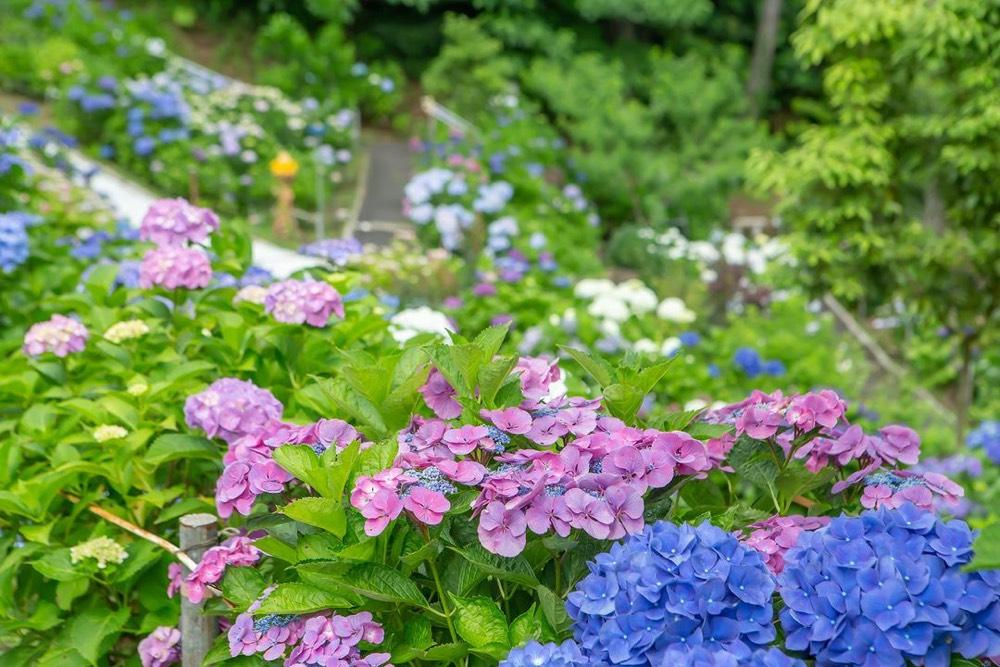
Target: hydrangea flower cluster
337,251
255,294
775,536
817,421
411,322
175,267
671,588
59,335
702,656
177,222
102,549
14,243
887,587
231,408
161,647
532,654
106,432
303,302
313,640
590,474
126,330
251,470
237,551
750,362
986,436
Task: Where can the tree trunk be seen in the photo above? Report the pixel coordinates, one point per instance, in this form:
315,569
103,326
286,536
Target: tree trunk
934,211
762,62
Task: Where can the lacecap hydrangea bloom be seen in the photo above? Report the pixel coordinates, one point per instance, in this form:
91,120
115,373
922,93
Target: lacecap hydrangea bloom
886,589
161,647
59,335
102,549
14,244
177,222
231,408
671,588
175,267
303,302
534,654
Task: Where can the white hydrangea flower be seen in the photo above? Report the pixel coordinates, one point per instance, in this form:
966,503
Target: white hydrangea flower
673,309
645,346
695,404
126,330
588,288
102,549
106,432
671,346
637,295
251,294
609,306
406,324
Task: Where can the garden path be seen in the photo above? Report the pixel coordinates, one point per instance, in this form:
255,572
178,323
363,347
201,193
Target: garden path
380,220
131,200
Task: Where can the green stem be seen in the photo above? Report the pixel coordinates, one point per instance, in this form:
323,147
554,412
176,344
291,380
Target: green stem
440,589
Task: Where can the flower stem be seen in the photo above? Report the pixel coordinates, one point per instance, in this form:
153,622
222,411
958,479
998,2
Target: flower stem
440,589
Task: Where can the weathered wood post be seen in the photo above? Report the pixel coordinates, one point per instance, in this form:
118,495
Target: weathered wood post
198,534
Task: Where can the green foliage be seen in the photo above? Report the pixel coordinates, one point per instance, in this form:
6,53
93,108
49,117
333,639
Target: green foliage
470,70
660,13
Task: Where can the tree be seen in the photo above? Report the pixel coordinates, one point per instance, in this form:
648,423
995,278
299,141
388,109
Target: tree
891,186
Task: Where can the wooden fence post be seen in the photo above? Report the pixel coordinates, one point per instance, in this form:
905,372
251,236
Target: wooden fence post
198,534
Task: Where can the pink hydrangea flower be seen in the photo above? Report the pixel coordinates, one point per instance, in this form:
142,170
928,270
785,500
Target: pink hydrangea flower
426,506
380,510
502,531
177,222
237,551
440,396
466,439
175,267
231,409
509,420
759,421
303,302
537,375
775,536
59,335
160,648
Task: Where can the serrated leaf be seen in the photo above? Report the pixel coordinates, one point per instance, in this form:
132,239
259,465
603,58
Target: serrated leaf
242,586
553,608
623,401
69,590
446,653
600,369
371,580
302,598
87,632
324,513
175,446
525,627
492,376
514,569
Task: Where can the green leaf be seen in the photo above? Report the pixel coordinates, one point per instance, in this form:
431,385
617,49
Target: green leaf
650,376
274,547
600,369
69,590
120,409
753,460
446,653
56,565
242,585
300,598
525,627
489,340
492,376
175,446
372,580
986,549
623,401
324,513
515,569
554,609
87,632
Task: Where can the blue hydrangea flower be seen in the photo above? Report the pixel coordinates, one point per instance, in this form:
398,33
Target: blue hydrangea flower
534,654
749,361
702,656
670,588
690,338
987,436
14,244
887,587
774,368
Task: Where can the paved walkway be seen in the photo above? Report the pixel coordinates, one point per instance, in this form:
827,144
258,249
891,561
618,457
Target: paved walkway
380,219
131,200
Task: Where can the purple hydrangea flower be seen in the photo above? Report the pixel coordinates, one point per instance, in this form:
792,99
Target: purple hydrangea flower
177,222
303,301
14,244
533,654
230,409
987,436
175,267
337,251
670,588
59,335
887,588
161,647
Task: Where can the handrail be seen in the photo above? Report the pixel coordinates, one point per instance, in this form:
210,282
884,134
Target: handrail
439,112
